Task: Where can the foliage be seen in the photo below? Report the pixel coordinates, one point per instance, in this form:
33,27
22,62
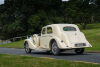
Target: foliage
24,17
37,21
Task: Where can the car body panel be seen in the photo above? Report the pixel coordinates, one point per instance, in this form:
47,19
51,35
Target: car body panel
64,39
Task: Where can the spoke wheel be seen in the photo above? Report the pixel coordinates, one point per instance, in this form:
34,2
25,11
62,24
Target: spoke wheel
55,50
79,51
27,49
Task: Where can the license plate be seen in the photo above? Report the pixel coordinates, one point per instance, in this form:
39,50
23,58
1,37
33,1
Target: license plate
80,45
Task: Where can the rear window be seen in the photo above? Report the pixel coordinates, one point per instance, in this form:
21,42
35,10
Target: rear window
68,28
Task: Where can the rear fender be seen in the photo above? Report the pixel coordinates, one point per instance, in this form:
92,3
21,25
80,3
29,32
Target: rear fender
60,43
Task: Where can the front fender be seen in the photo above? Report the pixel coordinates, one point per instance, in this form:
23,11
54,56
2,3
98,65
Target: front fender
31,44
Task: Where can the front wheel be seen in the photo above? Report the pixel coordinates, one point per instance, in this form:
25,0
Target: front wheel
27,49
79,50
55,49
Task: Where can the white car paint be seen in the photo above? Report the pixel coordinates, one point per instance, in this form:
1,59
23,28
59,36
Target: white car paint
65,39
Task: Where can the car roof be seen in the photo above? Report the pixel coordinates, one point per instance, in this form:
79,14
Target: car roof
55,26
60,25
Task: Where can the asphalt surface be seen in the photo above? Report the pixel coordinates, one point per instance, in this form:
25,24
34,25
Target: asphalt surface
70,55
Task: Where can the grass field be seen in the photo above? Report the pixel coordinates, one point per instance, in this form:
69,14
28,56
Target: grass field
27,61
17,44
92,34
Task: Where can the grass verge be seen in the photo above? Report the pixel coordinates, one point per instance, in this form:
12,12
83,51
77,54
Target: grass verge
17,44
27,61
93,36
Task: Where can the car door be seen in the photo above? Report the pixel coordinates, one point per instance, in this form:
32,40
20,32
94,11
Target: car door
49,36
43,40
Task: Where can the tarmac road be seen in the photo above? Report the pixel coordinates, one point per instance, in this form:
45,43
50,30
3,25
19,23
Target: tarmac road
70,55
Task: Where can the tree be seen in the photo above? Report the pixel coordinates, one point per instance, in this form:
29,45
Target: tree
24,17
37,21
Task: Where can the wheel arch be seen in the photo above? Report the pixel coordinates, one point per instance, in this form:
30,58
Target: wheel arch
30,43
25,43
51,41
60,44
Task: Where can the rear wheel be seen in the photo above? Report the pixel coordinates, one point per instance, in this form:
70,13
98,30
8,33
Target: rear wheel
27,49
79,50
54,48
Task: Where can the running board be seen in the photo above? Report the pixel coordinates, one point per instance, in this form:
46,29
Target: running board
41,49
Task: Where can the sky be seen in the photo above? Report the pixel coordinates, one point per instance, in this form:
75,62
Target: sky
1,1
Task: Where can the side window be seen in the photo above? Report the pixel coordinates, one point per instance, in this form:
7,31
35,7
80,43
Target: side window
49,30
44,30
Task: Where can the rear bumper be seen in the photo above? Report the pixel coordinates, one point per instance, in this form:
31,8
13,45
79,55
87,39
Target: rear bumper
69,48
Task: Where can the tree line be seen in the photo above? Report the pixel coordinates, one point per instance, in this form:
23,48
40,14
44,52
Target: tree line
26,17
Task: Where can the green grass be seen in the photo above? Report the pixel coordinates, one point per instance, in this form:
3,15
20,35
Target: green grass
93,36
27,61
17,44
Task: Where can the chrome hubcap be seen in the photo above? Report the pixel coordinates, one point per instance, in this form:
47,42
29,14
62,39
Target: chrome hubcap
27,47
54,48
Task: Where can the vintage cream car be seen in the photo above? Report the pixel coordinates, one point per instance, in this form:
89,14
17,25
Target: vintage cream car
56,38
